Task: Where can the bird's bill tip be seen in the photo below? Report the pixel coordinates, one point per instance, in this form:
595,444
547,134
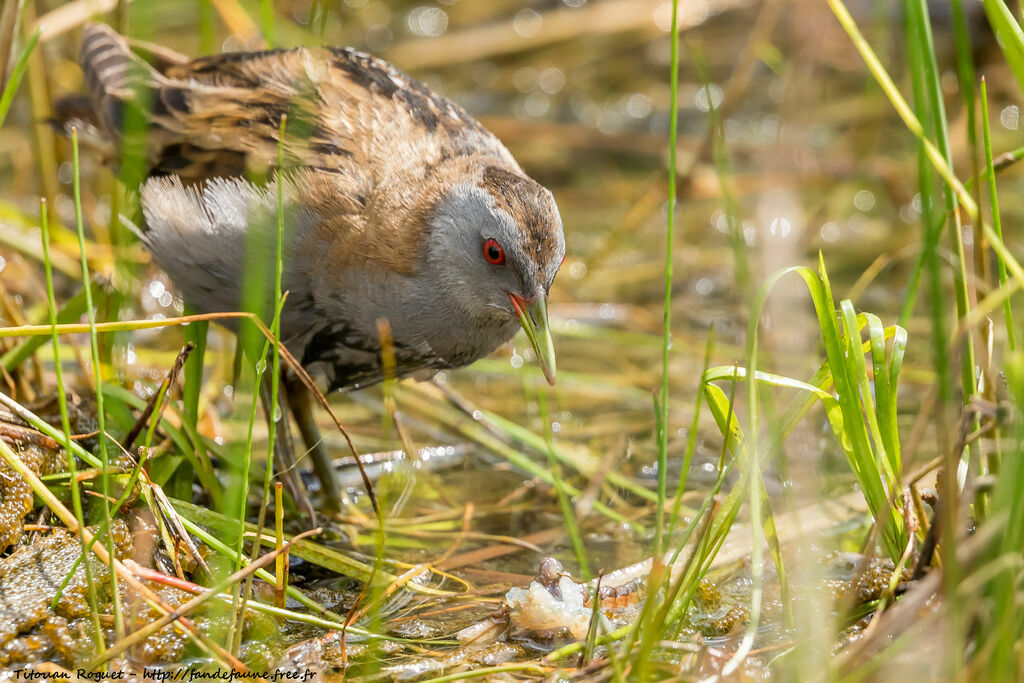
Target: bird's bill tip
533,316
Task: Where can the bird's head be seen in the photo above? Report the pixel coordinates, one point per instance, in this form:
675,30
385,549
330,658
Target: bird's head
499,243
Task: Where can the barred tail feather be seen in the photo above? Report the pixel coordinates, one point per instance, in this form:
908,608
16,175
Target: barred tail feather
110,71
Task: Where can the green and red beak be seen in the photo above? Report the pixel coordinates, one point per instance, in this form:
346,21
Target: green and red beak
533,316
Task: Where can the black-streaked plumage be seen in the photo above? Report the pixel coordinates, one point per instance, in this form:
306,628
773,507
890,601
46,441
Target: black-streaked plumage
398,204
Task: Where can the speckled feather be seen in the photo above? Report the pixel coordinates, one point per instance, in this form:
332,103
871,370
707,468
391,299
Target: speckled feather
381,177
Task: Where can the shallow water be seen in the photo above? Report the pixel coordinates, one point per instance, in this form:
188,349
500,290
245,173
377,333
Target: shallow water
816,161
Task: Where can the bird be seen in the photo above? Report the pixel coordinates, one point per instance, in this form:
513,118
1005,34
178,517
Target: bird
398,206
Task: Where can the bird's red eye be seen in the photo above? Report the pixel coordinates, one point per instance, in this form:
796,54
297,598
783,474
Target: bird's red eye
493,252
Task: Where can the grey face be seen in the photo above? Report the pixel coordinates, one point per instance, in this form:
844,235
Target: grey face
484,256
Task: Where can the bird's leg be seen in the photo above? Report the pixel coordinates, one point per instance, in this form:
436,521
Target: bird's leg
284,453
300,400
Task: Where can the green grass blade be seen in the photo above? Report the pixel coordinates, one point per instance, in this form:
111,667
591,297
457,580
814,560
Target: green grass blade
7,97
997,223
97,369
666,338
1009,36
65,422
886,370
182,438
192,387
866,404
929,73
268,23
900,105
316,553
691,438
845,353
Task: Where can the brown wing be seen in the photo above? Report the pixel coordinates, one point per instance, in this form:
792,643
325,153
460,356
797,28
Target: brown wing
347,113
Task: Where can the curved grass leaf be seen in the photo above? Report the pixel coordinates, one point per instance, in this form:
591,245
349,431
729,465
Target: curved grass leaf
16,75
1009,36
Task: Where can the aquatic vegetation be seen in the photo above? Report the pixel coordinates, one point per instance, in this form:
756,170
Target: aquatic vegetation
785,442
